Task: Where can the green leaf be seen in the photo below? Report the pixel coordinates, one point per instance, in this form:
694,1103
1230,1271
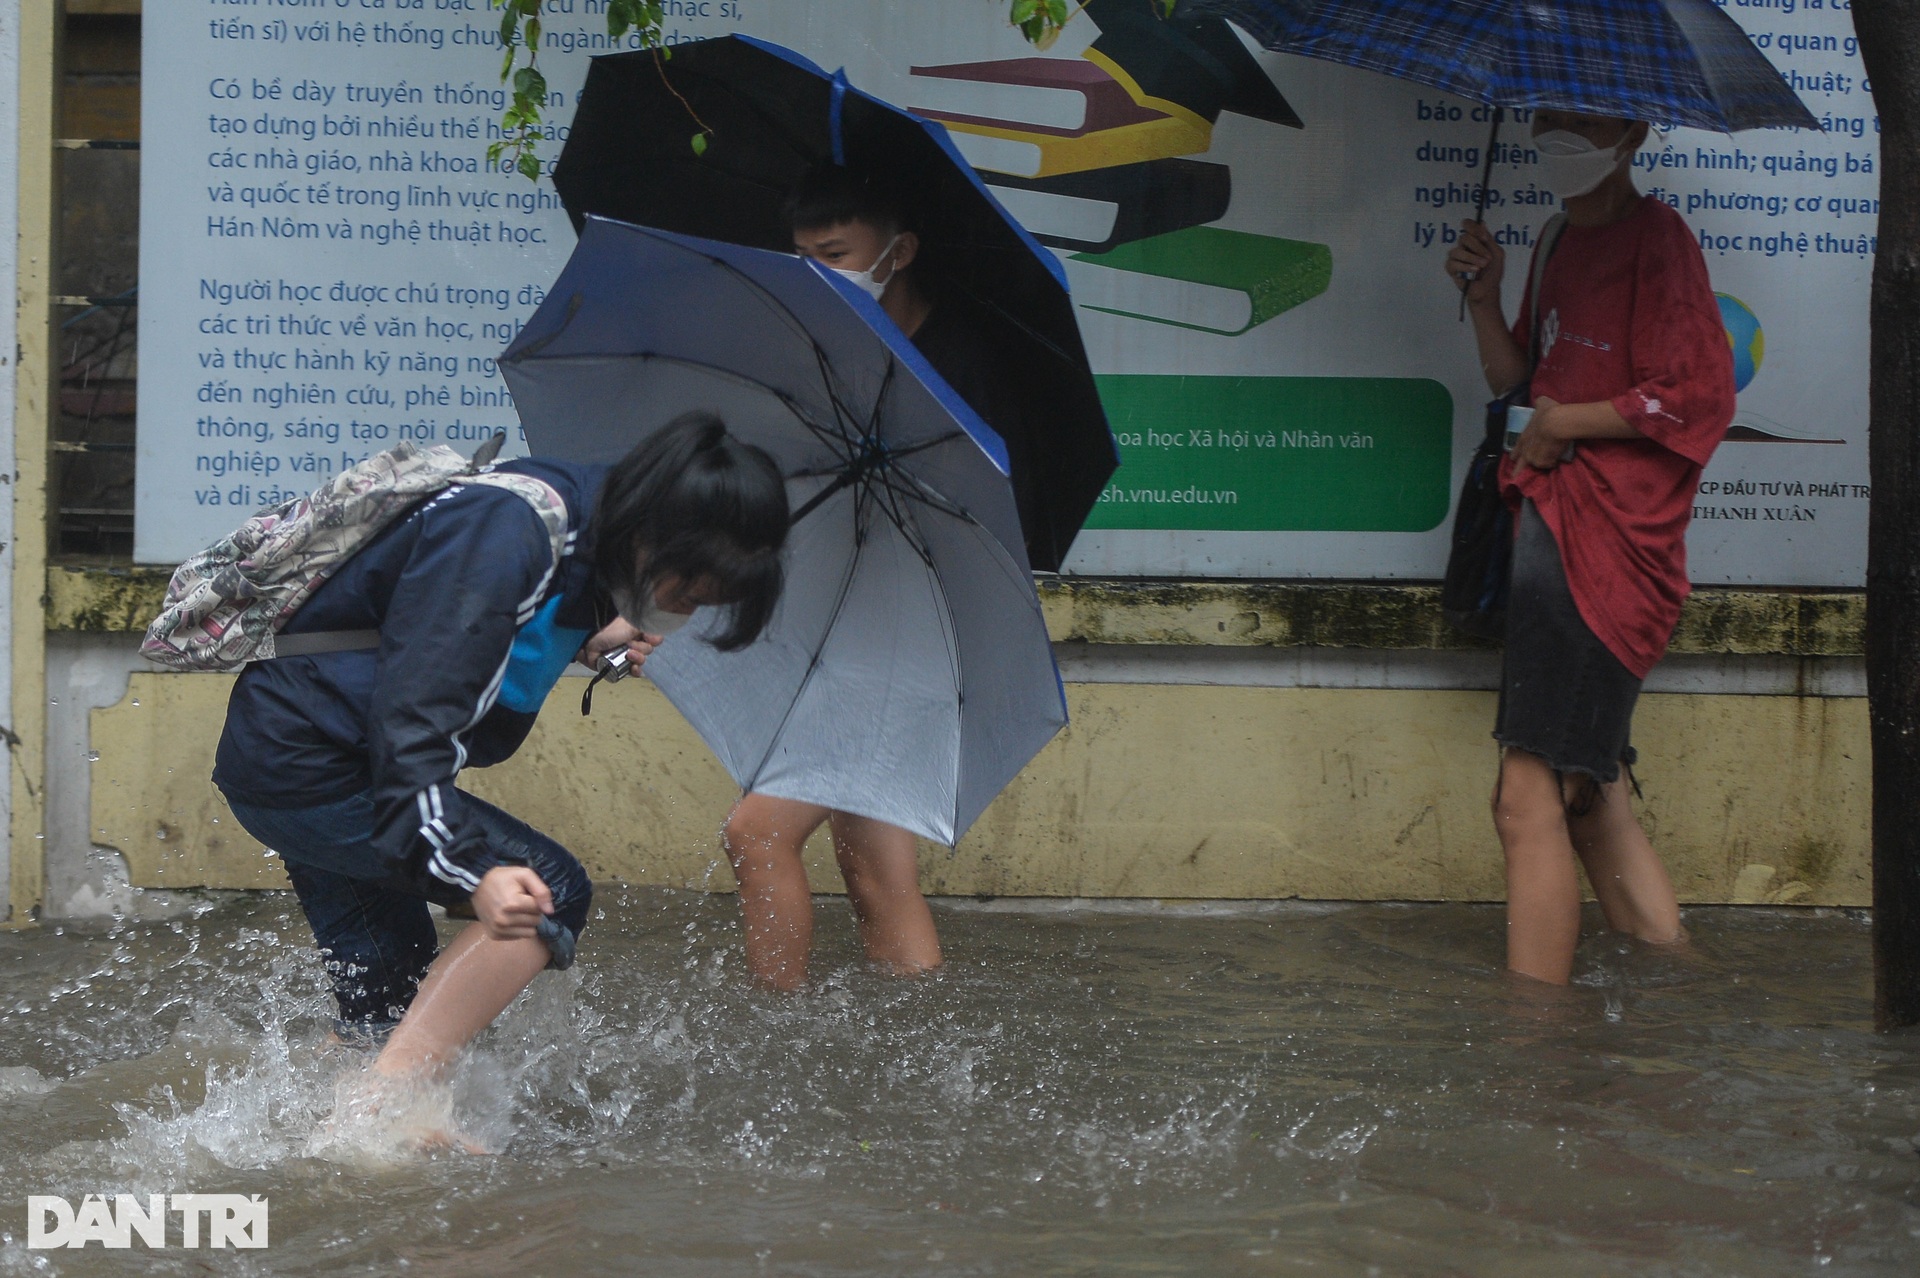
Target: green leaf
1057,12
532,36
699,144
1032,29
506,67
529,83
529,165
1023,11
493,152
510,31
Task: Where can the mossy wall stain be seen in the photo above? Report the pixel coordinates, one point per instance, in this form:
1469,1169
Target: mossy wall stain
1306,614
1811,860
104,600
1406,616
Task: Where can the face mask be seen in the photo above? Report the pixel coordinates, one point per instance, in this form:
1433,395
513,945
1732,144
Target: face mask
658,621
863,280
1570,165
650,618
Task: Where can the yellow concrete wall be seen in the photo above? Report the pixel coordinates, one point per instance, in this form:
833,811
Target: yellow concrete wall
1155,791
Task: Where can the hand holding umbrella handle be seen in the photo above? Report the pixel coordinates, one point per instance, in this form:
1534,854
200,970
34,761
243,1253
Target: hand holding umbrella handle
614,667
1480,206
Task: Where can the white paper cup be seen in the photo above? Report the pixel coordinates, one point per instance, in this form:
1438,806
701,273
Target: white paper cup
1517,419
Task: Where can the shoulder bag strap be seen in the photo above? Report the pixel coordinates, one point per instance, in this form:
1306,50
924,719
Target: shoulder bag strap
1549,241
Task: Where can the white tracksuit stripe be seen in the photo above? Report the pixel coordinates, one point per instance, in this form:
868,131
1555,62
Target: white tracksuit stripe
433,826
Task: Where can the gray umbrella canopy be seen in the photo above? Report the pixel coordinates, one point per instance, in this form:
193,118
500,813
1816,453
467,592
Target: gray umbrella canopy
906,675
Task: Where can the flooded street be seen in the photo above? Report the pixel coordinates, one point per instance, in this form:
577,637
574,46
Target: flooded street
1287,1089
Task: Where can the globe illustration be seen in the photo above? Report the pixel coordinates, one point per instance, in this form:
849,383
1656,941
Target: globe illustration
1745,336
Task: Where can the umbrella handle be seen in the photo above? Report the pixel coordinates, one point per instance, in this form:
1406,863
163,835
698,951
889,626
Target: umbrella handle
613,668
1480,208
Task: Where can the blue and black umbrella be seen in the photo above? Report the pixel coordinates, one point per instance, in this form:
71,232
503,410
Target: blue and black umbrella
1669,62
766,115
906,674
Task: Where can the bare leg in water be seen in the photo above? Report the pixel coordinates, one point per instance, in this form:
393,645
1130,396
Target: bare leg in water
1542,841
1627,875
764,837
881,864
473,979
469,984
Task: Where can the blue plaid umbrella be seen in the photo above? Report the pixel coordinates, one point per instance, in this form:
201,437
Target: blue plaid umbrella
1671,62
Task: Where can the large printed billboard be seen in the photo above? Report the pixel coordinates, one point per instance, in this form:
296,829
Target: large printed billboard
1254,242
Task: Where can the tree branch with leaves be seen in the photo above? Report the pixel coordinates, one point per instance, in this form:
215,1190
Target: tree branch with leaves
521,30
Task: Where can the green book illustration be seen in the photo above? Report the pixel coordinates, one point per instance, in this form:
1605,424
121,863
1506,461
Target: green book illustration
1204,277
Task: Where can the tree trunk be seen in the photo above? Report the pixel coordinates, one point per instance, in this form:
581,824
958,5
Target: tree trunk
1890,46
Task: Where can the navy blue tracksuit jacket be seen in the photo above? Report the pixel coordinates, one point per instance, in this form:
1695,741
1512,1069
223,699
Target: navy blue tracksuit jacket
476,623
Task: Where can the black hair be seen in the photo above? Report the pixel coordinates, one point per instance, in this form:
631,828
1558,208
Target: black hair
693,502
829,194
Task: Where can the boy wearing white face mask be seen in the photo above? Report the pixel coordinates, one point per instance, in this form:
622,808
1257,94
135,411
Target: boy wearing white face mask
855,224
1632,392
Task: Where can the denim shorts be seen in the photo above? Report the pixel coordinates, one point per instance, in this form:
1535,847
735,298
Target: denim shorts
1563,694
375,933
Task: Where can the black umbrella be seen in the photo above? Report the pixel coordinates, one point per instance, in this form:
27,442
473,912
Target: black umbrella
768,115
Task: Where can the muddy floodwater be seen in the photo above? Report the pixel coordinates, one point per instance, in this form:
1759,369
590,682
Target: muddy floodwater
1278,1090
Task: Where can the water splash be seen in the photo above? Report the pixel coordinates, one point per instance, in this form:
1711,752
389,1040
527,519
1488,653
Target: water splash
1349,1088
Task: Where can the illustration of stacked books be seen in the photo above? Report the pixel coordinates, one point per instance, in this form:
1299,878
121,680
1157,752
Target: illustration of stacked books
1093,155
1203,277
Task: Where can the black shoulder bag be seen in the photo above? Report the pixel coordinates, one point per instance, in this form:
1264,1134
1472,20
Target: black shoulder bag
1474,594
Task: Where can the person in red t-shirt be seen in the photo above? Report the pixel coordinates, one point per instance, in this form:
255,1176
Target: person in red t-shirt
1632,392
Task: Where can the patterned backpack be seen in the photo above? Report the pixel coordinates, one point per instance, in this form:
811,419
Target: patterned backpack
226,605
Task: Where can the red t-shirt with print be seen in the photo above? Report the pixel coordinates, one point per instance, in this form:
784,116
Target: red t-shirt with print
1629,317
